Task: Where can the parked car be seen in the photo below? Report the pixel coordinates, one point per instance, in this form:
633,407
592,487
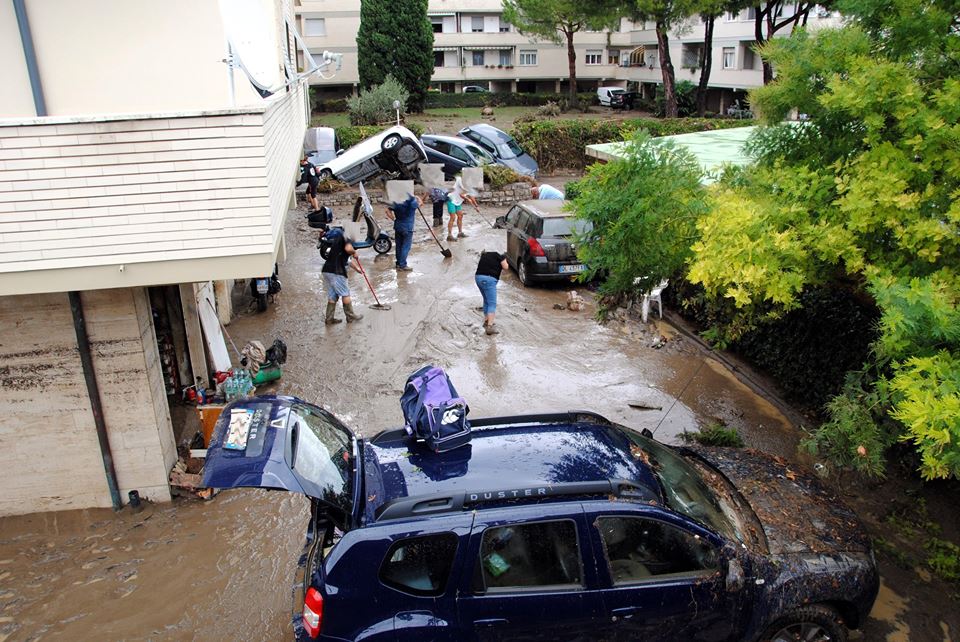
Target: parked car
502,147
454,153
609,96
474,89
540,240
549,527
320,144
395,152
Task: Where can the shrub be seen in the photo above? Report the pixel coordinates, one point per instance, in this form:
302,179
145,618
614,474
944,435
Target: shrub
562,143
353,134
550,110
375,105
715,435
499,176
686,93
332,105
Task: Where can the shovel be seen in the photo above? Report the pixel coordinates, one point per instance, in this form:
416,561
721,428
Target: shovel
377,305
446,253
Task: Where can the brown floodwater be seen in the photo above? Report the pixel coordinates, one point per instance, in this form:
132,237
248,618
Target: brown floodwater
225,568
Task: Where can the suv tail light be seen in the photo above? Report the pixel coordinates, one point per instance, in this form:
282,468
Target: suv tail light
535,248
312,612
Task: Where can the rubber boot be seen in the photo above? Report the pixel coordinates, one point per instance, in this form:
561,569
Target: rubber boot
350,314
331,309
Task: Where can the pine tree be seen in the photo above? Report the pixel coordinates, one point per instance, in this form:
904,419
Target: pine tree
396,38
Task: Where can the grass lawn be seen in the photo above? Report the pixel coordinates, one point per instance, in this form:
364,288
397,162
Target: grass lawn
450,120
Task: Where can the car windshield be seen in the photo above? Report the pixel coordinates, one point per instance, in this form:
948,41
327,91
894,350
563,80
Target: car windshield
565,226
322,456
481,155
509,149
616,92
685,491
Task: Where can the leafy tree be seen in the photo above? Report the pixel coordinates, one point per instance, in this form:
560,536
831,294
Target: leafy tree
769,20
709,11
665,14
865,196
558,21
396,38
644,209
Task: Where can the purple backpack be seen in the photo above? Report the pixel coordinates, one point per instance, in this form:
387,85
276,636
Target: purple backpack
433,411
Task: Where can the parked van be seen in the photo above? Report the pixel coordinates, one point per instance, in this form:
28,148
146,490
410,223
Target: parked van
610,96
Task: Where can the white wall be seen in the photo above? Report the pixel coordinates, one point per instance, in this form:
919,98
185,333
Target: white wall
49,454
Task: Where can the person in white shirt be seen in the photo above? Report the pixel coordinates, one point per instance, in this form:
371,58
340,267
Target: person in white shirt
455,200
546,192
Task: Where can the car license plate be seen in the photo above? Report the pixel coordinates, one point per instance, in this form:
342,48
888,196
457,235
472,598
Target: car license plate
571,269
263,286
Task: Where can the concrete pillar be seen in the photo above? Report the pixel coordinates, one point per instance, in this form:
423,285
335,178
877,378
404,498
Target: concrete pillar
556,86
513,86
221,292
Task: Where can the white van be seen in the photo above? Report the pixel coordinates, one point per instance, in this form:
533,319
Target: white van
606,96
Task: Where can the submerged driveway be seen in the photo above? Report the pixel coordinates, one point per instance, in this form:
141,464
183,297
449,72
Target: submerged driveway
225,568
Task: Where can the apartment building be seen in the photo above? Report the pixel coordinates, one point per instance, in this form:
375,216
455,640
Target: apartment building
139,174
474,46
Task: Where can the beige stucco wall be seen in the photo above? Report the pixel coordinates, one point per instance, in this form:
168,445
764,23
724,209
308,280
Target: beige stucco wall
117,56
49,455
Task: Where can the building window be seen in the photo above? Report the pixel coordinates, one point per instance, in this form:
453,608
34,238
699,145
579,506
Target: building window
478,58
476,24
751,13
748,57
506,57
438,58
528,58
594,56
730,16
613,57
504,26
314,27
690,58
653,58
437,23
729,58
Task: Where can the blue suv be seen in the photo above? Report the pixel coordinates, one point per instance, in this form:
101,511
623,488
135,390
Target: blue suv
547,527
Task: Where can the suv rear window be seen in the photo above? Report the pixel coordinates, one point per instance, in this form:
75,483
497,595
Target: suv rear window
535,555
565,226
420,565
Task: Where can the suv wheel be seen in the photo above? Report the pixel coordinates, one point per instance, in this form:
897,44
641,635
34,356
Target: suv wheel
810,624
523,273
325,175
391,143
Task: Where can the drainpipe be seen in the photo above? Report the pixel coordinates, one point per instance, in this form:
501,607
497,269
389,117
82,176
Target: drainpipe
93,392
30,55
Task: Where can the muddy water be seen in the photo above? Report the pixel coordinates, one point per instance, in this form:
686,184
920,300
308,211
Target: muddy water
205,570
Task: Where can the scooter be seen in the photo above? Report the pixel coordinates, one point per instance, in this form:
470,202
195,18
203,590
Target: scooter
264,287
376,238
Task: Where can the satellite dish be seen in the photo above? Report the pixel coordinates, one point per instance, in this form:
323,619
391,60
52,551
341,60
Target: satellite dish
249,30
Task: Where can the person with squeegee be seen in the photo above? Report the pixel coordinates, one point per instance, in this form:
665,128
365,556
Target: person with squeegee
335,279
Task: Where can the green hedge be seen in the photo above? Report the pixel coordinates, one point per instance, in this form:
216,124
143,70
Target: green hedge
331,105
350,135
500,99
561,144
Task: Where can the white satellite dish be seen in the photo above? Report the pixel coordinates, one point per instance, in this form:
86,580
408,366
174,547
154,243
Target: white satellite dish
250,32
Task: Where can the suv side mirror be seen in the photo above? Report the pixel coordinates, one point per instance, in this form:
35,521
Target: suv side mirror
500,222
340,151
735,579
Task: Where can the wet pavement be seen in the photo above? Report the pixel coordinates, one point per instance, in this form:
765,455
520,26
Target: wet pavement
205,570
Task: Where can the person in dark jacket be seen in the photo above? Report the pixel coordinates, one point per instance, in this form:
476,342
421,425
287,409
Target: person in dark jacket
489,267
335,279
308,175
402,215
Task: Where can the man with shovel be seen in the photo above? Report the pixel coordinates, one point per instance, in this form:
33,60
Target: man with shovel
402,215
335,279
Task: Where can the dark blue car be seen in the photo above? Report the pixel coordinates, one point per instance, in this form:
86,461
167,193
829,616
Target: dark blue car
549,527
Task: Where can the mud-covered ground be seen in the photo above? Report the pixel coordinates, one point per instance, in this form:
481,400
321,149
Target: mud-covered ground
224,568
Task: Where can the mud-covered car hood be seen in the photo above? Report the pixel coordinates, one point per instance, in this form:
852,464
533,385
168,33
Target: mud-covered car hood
798,513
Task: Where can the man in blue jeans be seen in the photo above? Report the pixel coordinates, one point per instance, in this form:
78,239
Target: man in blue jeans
489,267
402,215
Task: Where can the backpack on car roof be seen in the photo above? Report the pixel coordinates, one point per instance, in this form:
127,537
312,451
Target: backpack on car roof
433,411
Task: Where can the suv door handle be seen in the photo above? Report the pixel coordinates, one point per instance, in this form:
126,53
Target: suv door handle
626,612
490,622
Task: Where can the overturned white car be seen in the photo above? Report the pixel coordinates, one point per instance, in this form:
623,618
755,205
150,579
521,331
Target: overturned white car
395,152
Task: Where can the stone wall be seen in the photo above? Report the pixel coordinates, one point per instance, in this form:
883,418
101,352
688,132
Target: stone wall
345,198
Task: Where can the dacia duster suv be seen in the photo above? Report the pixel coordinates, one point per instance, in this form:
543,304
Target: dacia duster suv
549,527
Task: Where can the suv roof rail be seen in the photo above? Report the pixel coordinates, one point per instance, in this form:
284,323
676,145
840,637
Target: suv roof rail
452,502
568,417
